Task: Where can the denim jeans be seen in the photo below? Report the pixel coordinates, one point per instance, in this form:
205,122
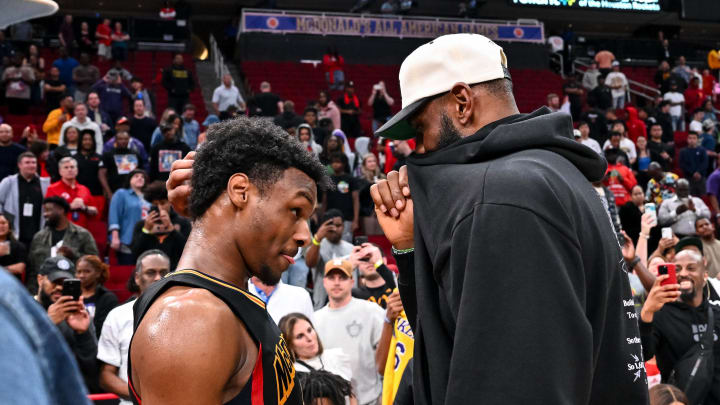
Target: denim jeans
338,80
619,102
296,274
36,365
678,123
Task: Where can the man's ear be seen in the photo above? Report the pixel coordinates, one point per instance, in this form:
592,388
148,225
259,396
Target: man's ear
238,189
461,96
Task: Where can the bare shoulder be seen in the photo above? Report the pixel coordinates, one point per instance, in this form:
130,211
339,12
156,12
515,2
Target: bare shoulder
188,348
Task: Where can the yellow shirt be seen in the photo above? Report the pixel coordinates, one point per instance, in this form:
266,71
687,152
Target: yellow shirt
400,353
53,124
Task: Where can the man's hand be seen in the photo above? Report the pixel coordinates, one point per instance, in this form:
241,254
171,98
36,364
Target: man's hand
394,306
91,210
659,296
680,209
628,248
115,241
691,205
394,208
697,176
63,307
647,222
79,320
150,219
178,184
77,204
4,248
323,230
63,117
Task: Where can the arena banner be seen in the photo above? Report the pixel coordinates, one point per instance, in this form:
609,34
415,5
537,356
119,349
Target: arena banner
365,25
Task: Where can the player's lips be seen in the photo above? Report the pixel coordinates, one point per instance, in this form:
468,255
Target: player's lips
289,259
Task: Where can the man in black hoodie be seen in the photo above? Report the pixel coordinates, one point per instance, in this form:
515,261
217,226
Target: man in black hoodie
179,83
674,318
510,271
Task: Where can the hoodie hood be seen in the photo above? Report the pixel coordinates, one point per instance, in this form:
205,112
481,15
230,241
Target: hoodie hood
632,113
541,129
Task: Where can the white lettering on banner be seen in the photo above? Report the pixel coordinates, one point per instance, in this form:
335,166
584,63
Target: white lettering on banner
635,340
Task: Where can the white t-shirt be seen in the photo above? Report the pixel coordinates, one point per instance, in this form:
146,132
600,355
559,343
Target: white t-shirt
225,97
332,360
626,146
675,97
356,329
614,79
115,337
285,299
592,144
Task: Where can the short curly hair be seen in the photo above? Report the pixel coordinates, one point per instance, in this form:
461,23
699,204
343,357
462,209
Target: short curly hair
253,146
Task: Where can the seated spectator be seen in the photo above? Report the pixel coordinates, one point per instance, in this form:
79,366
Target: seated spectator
71,317
661,185
102,34
226,95
375,280
84,75
601,96
13,254
85,41
119,38
305,346
18,80
93,273
77,195
349,105
682,210
127,208
328,109
82,122
70,141
327,244
667,319
112,92
96,113
118,163
9,152
711,246
55,120
585,139
65,64
281,299
190,127
170,149
346,195
676,102
666,394
139,93
353,325
162,228
141,125
88,162
117,331
21,197
179,82
307,138
693,161
620,180
663,152
694,96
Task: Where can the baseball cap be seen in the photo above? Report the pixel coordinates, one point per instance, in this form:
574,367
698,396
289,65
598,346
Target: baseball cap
122,122
435,67
689,241
57,267
708,124
339,264
576,133
615,63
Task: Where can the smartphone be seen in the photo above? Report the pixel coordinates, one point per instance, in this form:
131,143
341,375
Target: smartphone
621,238
155,209
71,287
650,208
359,240
669,269
667,233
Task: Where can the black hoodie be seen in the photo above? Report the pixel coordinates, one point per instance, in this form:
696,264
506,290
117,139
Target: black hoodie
521,291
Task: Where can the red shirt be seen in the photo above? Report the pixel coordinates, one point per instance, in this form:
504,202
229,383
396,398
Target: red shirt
693,99
69,194
620,181
103,29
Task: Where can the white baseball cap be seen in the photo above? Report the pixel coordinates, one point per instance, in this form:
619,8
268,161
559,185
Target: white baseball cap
435,67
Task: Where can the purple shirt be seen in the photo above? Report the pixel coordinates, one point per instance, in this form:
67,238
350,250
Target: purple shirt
713,184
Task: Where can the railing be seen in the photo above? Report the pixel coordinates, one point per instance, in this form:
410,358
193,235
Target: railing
634,87
217,59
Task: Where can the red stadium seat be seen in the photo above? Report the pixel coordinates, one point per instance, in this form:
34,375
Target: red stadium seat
119,276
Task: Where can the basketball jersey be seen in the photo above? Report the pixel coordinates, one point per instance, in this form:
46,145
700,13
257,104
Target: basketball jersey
273,378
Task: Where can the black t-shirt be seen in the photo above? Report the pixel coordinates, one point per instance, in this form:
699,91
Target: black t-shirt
378,295
163,155
30,192
346,102
8,159
52,98
574,98
18,254
56,236
119,163
381,109
142,129
341,197
267,104
88,167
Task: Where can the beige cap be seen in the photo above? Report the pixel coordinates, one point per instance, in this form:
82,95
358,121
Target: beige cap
339,264
435,67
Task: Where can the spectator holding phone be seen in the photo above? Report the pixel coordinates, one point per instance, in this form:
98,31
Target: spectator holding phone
674,320
682,210
375,282
69,314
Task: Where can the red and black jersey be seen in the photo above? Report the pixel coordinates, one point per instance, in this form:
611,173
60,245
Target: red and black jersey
273,379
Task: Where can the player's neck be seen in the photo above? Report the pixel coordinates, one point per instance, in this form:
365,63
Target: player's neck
215,254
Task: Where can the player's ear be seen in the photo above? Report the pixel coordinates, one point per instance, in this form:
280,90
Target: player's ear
238,189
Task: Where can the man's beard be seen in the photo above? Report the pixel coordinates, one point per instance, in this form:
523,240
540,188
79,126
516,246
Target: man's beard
448,133
267,276
45,299
52,222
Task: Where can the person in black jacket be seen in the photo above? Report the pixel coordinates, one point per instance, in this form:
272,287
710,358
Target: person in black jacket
376,281
510,271
163,154
179,83
98,301
674,318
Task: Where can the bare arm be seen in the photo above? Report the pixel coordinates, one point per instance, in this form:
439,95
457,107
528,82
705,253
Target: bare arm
381,354
371,100
102,177
388,99
356,205
17,269
110,382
